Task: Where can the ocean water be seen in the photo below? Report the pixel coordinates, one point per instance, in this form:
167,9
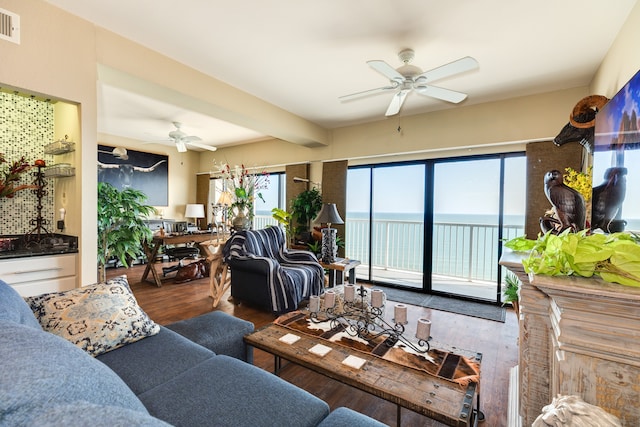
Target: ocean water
440,218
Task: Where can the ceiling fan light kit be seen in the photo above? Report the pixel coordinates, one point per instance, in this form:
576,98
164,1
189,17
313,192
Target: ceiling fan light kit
408,77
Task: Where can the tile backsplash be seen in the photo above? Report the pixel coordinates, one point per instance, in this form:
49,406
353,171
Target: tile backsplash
26,126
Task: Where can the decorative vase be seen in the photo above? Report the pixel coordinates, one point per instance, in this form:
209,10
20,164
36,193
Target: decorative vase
241,220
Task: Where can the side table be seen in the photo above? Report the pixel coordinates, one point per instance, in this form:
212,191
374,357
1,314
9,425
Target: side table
219,278
340,268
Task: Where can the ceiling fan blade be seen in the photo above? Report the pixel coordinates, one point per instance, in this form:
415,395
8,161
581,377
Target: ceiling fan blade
456,67
367,92
386,70
203,146
441,93
396,102
181,146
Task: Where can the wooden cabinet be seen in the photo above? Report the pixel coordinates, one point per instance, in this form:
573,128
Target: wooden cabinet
40,274
578,337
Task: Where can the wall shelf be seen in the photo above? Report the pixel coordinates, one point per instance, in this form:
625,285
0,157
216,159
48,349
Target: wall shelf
59,170
60,147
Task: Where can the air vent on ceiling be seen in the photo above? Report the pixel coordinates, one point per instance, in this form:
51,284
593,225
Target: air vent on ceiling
9,26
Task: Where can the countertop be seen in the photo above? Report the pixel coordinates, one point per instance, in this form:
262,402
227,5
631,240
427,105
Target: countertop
23,246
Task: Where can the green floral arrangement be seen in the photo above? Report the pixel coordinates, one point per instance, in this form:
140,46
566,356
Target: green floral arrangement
613,257
580,181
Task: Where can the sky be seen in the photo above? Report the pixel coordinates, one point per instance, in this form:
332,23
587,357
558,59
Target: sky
460,187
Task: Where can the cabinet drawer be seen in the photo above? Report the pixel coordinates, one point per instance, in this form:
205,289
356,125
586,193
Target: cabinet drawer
37,268
40,287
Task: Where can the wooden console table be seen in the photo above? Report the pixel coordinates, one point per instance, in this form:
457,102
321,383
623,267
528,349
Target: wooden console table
151,251
577,337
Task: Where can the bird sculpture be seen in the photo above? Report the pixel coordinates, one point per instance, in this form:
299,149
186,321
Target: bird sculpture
568,205
608,198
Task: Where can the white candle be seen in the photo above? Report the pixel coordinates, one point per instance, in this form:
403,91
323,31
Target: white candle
349,293
314,303
329,299
423,331
377,298
400,313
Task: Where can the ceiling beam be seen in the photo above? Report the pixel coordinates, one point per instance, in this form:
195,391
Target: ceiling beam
129,66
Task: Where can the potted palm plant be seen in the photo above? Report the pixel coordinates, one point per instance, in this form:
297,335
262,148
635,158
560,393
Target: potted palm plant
510,292
121,225
284,218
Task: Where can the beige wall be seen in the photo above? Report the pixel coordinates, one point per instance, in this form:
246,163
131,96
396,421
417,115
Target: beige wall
622,61
62,56
57,58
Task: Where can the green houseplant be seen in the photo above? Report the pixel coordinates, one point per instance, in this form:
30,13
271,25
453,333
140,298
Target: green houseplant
510,291
284,218
304,208
121,225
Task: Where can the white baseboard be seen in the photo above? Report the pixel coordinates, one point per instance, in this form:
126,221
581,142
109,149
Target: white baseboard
513,410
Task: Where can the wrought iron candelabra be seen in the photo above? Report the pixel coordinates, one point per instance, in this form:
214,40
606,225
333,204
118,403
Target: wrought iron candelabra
39,222
363,317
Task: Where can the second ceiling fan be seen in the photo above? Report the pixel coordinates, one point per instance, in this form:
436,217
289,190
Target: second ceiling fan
407,78
182,140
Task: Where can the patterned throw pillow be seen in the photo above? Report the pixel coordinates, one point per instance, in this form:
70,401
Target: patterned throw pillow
97,318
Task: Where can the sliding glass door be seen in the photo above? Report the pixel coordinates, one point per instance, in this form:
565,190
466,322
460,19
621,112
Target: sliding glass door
466,200
436,226
397,234
385,223
358,219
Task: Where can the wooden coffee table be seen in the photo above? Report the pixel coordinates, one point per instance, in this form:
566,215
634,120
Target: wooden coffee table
419,391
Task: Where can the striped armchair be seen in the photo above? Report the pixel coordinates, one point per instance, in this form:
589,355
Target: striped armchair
266,274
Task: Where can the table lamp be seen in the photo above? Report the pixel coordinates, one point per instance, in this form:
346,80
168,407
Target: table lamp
222,206
329,215
194,211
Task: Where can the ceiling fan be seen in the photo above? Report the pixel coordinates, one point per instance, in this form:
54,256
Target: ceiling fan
182,140
407,78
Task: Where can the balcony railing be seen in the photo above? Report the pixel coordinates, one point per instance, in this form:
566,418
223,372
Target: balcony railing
463,251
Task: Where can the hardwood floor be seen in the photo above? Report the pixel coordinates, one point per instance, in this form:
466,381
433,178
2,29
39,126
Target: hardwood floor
496,341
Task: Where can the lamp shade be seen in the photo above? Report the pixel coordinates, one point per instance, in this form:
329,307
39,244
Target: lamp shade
329,215
194,211
225,199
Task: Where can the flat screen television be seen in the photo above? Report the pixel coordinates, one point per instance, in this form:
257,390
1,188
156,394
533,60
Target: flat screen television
616,162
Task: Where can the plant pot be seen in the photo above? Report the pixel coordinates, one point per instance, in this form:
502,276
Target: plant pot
516,308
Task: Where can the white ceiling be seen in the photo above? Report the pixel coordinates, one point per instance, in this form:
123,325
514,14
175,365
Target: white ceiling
302,55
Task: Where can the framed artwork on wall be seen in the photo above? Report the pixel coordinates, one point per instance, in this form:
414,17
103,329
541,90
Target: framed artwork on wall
616,162
146,172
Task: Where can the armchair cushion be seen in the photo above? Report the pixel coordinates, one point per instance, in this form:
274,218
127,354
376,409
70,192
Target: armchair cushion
290,276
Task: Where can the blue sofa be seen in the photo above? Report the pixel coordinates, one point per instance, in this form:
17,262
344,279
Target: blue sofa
190,373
